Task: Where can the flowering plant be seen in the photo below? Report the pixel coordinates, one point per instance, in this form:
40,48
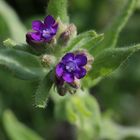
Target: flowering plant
64,62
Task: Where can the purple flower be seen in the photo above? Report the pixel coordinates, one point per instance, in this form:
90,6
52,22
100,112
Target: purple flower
43,31
71,67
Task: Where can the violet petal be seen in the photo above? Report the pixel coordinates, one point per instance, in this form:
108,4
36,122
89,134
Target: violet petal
36,36
81,59
68,57
68,77
80,73
55,27
31,41
49,21
59,69
53,31
37,25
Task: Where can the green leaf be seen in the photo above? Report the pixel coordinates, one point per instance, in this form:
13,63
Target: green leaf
109,60
43,91
4,32
92,43
112,33
16,130
16,28
22,64
58,8
80,40
81,110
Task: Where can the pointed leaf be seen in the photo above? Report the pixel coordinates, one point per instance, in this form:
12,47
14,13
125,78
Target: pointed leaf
80,40
92,43
109,60
22,64
111,35
43,91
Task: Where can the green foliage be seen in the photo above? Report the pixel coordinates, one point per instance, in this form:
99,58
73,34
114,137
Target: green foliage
4,32
92,43
112,33
17,130
81,110
110,59
58,8
15,27
22,64
43,90
86,40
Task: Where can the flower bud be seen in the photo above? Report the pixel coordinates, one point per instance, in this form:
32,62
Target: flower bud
69,33
76,84
48,60
65,88
62,90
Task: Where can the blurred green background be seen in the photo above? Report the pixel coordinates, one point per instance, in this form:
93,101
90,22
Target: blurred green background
118,94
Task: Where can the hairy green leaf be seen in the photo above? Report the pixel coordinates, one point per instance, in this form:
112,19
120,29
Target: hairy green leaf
80,40
22,64
43,91
109,60
58,8
16,28
112,33
16,130
92,43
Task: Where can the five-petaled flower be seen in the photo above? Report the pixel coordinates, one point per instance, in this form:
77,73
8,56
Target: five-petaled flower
43,31
71,67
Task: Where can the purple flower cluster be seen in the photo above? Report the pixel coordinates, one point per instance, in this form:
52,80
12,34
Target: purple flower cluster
71,67
43,31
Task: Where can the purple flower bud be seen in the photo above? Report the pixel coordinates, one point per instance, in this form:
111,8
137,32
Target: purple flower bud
43,31
71,67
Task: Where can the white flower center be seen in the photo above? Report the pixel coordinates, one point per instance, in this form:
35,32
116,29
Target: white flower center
46,33
70,66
